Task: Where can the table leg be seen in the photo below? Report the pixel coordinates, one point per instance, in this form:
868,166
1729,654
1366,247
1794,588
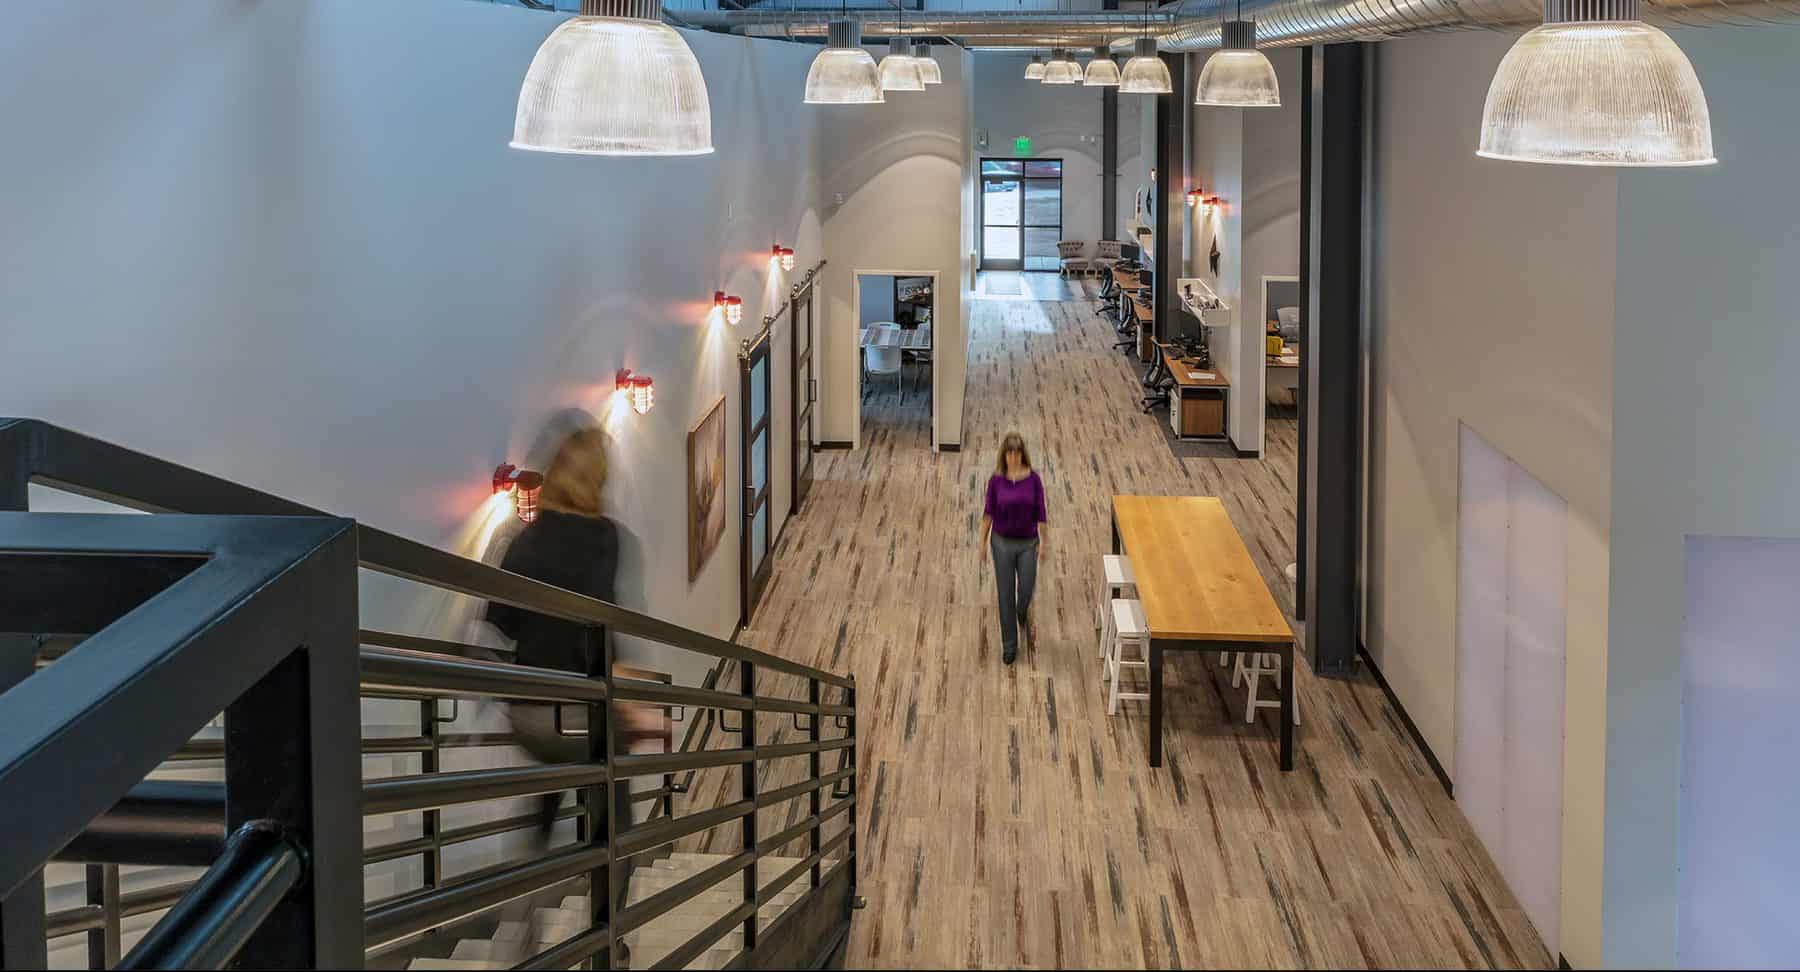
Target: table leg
1117,546
1156,701
1287,707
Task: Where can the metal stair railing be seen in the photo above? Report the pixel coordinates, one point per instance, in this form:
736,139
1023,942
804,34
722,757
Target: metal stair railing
176,609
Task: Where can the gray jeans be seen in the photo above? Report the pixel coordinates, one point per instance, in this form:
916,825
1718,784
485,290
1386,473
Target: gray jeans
1015,574
535,727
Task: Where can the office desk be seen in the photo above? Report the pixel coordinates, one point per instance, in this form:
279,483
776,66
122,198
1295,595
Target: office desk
1200,592
1199,407
1282,372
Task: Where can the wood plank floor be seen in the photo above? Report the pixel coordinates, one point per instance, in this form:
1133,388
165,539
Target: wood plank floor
1006,820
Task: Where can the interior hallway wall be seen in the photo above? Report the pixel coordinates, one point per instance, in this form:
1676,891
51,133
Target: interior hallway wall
1062,121
894,178
1492,305
1705,443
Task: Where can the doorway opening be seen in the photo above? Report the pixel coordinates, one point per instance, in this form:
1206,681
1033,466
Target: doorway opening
1020,214
896,341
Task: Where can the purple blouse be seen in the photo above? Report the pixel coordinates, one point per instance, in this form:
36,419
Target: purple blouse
1016,508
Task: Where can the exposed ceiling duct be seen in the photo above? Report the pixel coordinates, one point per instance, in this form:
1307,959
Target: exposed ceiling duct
1194,26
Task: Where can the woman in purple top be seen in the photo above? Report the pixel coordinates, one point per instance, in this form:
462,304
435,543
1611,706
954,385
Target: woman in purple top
1012,522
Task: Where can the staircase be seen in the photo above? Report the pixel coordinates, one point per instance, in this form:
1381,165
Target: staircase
131,635
515,941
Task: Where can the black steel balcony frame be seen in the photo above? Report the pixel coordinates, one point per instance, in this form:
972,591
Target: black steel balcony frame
162,572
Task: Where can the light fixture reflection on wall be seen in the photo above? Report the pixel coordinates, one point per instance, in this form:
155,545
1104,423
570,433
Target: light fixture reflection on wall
732,306
639,391
523,484
1197,198
614,80
1595,85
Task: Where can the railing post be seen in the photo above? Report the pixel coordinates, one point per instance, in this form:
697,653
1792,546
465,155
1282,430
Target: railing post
817,798
601,823
428,763
22,944
293,757
747,739
855,807
103,890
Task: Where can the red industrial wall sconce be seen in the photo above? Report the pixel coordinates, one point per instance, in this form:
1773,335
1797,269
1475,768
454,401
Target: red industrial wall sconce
733,307
639,390
523,484
783,255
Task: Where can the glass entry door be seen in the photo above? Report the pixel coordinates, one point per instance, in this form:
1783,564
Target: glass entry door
1021,214
805,388
755,562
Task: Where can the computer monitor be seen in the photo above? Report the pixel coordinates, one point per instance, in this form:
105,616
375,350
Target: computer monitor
1132,252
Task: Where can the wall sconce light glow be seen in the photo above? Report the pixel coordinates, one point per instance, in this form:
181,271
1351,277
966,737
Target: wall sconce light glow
783,256
640,390
614,80
1237,75
732,307
1595,85
930,71
1035,70
1193,197
1102,71
1145,73
524,485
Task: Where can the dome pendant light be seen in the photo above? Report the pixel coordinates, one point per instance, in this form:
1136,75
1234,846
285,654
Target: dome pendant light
614,80
929,70
1237,75
1035,70
1595,85
1062,68
1145,73
1102,71
898,70
843,73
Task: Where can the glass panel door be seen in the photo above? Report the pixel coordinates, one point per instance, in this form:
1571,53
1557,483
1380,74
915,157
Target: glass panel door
1021,214
804,391
755,562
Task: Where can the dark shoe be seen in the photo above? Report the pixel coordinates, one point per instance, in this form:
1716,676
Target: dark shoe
1030,633
1008,655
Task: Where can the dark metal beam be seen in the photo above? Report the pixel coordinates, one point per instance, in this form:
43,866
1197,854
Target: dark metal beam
1306,317
1334,367
1171,161
1109,154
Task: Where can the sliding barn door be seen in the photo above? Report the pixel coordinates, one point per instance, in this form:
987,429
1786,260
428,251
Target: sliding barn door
755,561
805,391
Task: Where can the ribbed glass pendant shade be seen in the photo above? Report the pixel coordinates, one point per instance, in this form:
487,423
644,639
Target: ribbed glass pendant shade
1035,70
843,73
1238,75
1596,86
1145,73
614,80
1062,68
929,70
899,72
1102,71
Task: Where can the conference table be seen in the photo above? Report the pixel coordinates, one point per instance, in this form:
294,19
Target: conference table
888,334
1200,592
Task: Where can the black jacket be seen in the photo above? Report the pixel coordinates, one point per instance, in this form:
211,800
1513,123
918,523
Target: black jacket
574,552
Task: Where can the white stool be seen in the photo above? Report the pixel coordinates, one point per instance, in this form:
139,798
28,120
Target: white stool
1119,583
1128,630
1253,667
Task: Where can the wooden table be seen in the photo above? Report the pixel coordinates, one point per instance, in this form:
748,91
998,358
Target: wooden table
1200,406
1281,371
916,339
1200,592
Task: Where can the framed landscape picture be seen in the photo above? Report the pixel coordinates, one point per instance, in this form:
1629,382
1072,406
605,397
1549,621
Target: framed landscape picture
706,487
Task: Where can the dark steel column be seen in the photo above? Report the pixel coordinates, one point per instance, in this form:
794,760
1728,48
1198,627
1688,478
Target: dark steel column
1333,347
293,756
1306,316
1171,162
1109,154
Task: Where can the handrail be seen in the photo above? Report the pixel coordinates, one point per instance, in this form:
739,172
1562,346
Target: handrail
211,923
81,464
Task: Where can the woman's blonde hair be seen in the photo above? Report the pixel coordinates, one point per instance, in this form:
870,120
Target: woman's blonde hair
1013,442
576,475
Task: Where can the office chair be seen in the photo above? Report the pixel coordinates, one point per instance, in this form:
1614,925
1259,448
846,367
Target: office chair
1158,380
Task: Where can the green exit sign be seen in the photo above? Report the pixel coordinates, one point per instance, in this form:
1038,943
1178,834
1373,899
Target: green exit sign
1022,145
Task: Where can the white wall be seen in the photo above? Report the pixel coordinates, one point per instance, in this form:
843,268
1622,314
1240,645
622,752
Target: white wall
1492,305
1705,442
901,170
1063,122
1250,159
